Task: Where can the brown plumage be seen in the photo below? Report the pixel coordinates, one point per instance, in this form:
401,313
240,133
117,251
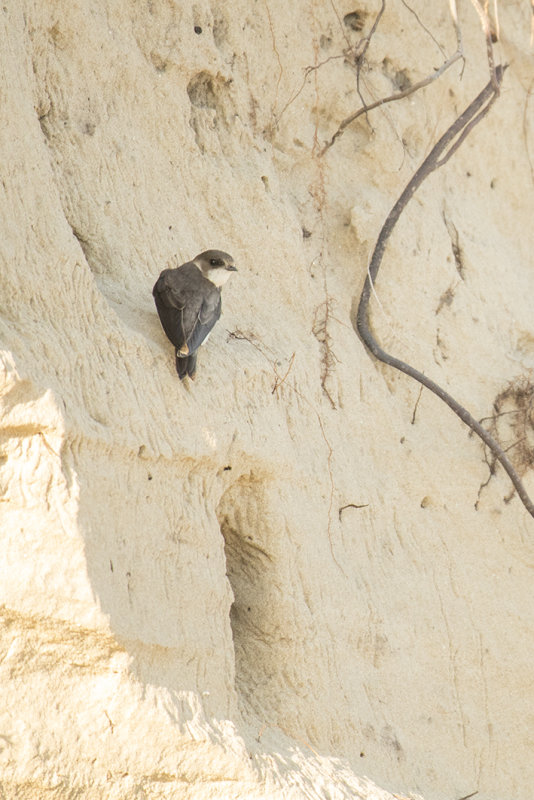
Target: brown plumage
188,300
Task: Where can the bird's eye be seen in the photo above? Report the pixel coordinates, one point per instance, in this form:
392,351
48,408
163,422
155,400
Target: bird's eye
216,262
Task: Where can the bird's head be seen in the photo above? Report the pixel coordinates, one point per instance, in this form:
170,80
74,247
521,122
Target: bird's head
215,265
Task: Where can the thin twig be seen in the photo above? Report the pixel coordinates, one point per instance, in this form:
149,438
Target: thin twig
280,67
321,332
423,26
250,338
279,381
457,29
486,27
351,505
439,155
397,96
497,23
341,26
307,72
366,42
416,405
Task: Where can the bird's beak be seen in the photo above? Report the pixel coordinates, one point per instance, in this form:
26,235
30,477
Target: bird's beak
231,268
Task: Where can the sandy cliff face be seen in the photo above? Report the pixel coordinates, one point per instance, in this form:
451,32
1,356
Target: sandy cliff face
289,574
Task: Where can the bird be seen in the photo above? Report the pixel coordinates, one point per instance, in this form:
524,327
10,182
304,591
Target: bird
188,301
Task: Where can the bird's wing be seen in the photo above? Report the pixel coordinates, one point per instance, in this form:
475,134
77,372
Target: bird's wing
188,306
208,315
170,289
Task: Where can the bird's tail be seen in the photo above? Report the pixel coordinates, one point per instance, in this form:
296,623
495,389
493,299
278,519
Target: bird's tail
186,365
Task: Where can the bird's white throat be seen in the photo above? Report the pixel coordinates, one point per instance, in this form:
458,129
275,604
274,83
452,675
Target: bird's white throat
218,276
